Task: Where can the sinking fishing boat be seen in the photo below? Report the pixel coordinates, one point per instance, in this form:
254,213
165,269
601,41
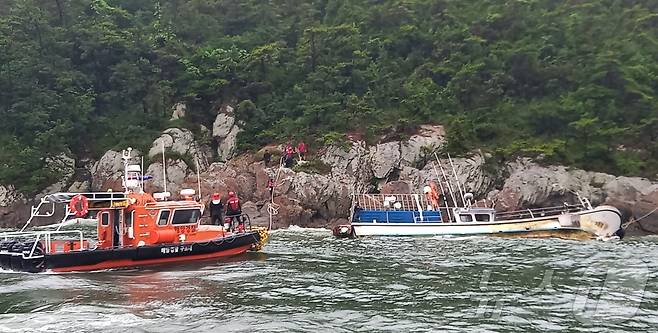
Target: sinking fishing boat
134,228
445,210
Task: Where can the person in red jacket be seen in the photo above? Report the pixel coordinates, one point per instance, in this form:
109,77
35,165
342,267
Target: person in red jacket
270,185
301,149
234,211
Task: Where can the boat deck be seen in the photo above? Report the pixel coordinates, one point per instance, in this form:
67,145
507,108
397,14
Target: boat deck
415,208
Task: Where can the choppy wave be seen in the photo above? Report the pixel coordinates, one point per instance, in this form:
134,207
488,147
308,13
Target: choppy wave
307,281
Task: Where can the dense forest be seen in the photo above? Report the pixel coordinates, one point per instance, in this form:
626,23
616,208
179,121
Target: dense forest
570,81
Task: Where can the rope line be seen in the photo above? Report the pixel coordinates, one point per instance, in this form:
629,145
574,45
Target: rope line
627,224
272,207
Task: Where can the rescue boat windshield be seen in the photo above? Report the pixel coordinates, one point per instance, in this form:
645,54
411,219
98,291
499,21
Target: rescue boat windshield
186,216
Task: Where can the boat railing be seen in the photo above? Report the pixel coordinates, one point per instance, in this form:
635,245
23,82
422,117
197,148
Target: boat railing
390,201
65,197
244,218
539,212
428,219
35,237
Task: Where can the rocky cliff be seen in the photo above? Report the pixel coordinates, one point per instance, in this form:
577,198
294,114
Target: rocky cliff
320,196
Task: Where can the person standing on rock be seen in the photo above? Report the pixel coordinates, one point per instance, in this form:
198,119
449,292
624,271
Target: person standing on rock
267,158
301,150
234,211
270,186
216,209
289,152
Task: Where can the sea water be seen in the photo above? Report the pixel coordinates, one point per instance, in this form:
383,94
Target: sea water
307,281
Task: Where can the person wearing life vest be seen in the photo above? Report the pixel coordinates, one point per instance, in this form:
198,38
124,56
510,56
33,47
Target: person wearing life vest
216,209
289,155
233,211
432,195
301,150
270,185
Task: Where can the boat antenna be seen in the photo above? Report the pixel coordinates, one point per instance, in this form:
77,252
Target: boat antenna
164,169
142,176
443,191
198,177
454,172
452,194
125,156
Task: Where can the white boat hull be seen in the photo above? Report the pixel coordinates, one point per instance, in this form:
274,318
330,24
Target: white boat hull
599,222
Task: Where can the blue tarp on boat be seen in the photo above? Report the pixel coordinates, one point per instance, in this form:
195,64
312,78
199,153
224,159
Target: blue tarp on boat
395,216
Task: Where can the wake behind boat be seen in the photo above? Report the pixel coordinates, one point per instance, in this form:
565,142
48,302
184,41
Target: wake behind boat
134,228
443,209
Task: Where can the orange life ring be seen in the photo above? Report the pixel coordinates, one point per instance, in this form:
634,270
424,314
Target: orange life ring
79,205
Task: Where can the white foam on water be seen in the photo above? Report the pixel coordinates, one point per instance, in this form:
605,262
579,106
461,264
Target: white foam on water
295,228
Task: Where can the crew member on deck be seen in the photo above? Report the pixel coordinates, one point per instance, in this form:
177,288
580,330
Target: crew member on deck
233,211
216,208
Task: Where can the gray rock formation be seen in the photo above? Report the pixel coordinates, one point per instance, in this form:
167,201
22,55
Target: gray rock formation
106,173
415,151
178,111
181,142
350,165
9,196
384,158
177,173
310,199
225,130
13,206
65,166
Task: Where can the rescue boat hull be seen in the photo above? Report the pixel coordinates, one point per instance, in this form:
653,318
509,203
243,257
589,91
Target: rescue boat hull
101,259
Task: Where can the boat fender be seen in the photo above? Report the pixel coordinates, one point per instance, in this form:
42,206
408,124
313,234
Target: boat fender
620,233
343,231
163,236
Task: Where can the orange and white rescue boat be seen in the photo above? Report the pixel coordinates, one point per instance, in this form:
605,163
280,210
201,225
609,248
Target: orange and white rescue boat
134,228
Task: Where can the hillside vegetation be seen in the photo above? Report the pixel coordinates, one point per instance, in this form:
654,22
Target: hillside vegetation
571,82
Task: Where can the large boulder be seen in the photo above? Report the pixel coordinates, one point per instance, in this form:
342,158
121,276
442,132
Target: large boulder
177,174
638,199
532,185
106,173
178,111
350,165
64,165
384,158
223,124
181,142
468,171
421,146
227,146
9,196
13,206
225,131
396,187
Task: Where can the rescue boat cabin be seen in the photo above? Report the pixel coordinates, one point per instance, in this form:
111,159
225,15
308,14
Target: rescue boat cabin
135,218
133,228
